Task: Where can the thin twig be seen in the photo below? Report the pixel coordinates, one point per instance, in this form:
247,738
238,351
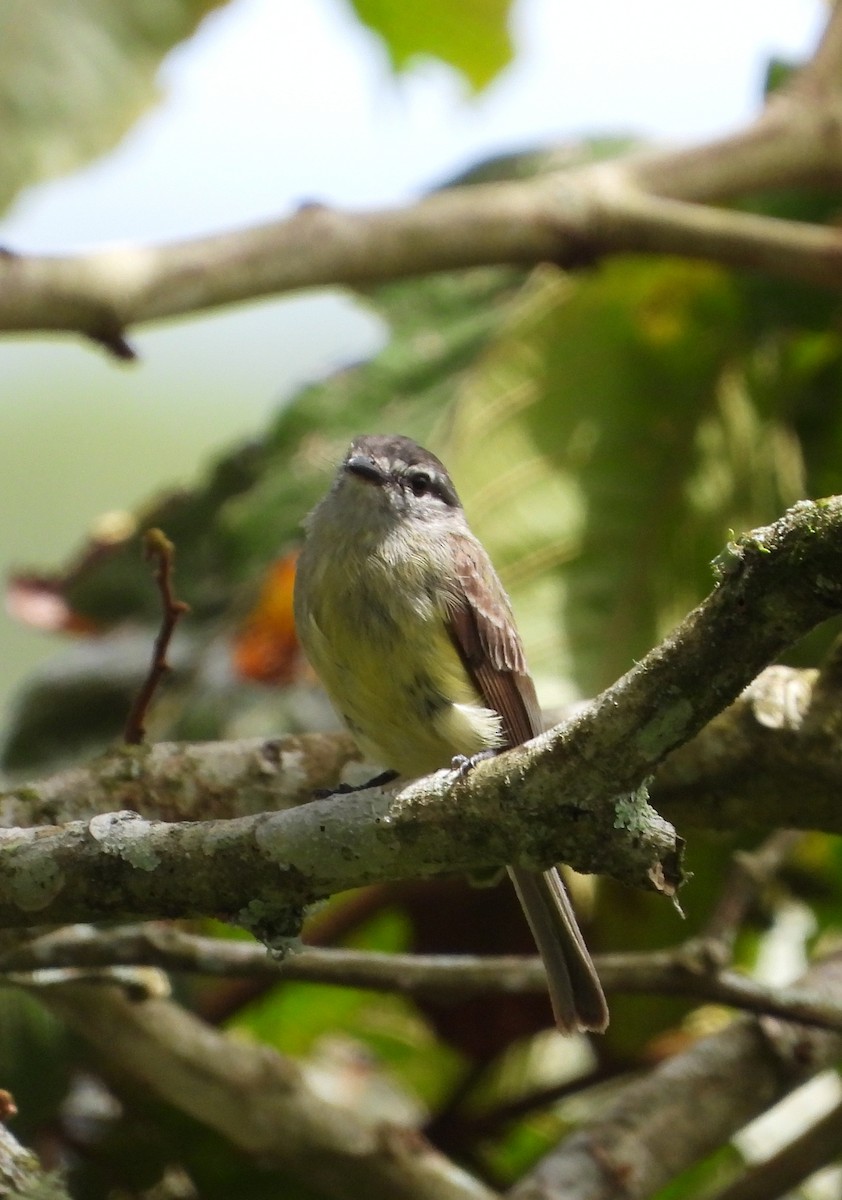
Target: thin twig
157,548
486,1124
684,970
751,871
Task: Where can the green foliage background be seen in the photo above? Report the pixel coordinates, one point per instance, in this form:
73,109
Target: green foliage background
607,431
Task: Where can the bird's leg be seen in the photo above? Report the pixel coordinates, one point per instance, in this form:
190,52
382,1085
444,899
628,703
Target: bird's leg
345,789
463,764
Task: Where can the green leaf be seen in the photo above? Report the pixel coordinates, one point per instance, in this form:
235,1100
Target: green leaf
603,447
472,35
75,75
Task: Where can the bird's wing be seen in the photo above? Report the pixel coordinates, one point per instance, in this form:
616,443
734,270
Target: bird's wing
481,625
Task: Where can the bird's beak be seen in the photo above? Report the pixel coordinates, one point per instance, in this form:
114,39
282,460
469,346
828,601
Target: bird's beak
365,468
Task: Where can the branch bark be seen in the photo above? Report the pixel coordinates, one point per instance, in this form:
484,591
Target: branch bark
262,1102
688,970
773,758
795,1162
774,584
22,1176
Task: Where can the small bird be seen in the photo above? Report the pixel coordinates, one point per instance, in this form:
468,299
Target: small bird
407,624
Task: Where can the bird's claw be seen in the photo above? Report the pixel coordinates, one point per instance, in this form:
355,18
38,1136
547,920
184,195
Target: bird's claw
463,764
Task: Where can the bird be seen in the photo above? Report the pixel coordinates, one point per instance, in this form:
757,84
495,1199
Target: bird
406,623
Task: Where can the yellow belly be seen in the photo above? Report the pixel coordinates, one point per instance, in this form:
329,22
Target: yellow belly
394,676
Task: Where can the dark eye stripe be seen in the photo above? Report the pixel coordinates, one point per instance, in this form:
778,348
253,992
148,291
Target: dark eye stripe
431,483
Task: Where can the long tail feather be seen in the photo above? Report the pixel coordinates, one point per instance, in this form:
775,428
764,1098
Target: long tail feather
575,991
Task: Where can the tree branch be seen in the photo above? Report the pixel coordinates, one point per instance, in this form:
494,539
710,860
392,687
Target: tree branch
650,203
774,585
568,219
21,1175
688,970
774,758
686,1107
175,781
262,1102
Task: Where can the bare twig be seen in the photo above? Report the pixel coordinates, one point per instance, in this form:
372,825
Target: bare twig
159,548
684,970
751,870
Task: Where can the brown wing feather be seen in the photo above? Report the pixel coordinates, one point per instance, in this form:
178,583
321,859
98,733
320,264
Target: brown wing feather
482,627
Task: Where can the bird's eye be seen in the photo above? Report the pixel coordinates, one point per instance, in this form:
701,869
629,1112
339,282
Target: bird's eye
421,483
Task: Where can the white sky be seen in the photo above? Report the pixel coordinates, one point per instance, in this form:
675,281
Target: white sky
274,103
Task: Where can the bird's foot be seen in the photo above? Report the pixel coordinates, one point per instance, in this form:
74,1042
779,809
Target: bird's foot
463,764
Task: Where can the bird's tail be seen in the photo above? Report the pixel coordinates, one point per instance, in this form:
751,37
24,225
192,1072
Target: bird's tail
575,991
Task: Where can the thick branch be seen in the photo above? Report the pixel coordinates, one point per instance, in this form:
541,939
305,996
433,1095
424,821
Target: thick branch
788,1167
263,1103
774,758
567,218
775,584
171,781
262,870
21,1174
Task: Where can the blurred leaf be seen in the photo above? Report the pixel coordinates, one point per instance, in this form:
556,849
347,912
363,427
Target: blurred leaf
705,1178
381,1032
266,648
618,444
30,1035
472,36
75,75
778,72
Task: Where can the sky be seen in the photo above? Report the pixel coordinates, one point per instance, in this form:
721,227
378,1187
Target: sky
272,104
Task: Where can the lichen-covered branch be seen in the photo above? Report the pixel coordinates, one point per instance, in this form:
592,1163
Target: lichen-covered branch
191,781
262,870
572,794
21,1174
773,758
